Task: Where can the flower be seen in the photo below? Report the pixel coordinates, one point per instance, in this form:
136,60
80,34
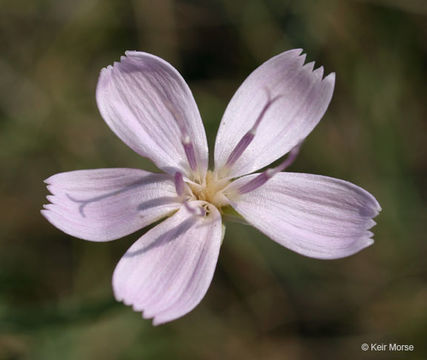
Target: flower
149,106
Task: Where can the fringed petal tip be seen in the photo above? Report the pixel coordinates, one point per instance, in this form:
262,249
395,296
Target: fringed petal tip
45,212
378,207
299,96
310,66
129,54
156,320
50,179
318,72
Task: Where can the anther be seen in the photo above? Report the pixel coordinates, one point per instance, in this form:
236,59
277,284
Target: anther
185,137
189,152
249,136
179,184
266,175
198,211
180,190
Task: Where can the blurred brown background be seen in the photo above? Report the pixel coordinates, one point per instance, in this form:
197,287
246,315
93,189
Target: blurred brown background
265,302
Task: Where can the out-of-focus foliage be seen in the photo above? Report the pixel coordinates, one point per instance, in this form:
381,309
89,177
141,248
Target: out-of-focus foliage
265,302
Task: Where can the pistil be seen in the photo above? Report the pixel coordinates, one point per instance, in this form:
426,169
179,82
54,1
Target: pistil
180,188
210,191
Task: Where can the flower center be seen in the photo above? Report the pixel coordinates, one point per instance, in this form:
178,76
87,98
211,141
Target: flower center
210,190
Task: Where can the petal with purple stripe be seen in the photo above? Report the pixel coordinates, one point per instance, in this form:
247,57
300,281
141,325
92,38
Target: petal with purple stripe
147,103
313,215
106,204
167,272
279,104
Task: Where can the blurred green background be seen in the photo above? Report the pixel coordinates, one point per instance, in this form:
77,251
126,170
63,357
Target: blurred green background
265,302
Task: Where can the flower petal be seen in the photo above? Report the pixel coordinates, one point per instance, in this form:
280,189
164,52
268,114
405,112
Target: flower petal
142,98
106,204
167,272
314,215
301,99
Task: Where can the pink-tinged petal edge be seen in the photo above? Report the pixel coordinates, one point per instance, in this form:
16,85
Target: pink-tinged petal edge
313,215
148,105
299,97
167,272
106,204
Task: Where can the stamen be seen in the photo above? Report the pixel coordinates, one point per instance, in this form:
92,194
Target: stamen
179,184
198,211
180,190
189,152
185,137
240,147
249,136
266,175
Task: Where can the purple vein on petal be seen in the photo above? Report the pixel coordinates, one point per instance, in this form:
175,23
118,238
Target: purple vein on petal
179,184
85,202
189,152
266,175
249,136
185,137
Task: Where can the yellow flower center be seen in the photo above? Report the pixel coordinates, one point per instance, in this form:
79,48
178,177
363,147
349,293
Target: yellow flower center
211,190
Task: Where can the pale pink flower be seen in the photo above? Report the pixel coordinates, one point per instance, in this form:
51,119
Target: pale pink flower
147,103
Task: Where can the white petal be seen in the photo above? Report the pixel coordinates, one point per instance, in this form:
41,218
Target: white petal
314,215
304,98
141,97
106,204
167,272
